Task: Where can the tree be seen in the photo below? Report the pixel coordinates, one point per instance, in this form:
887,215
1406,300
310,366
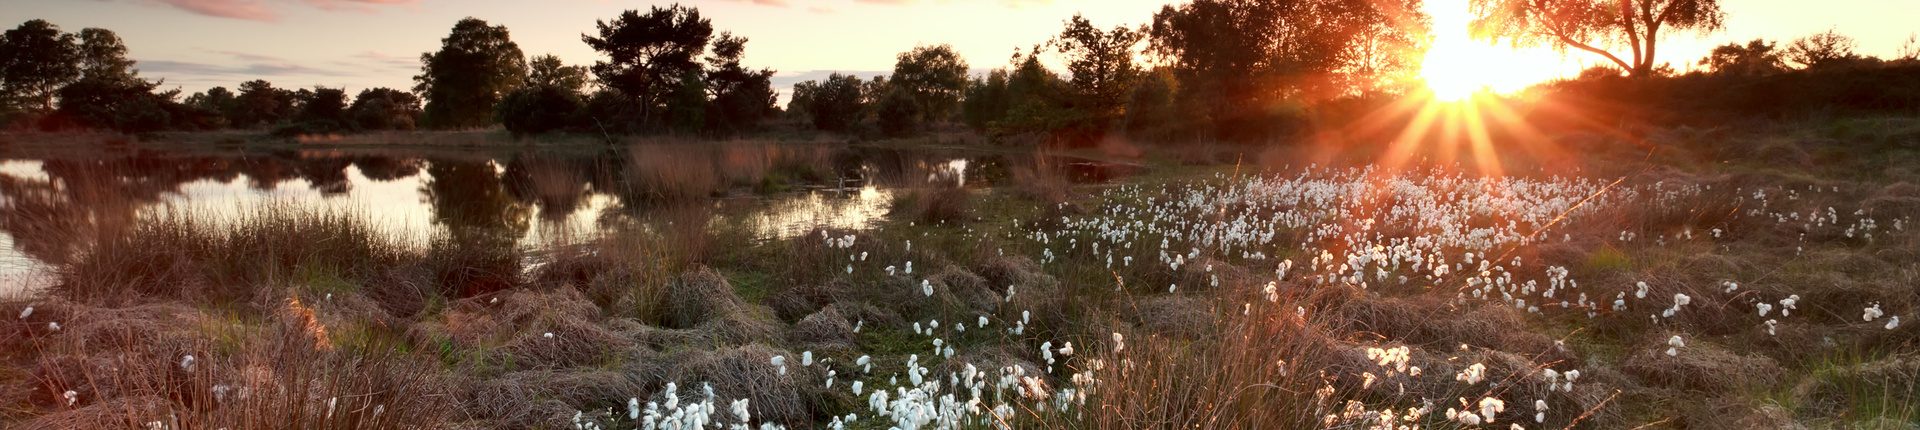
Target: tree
126,105
548,70
104,56
216,103
1101,69
834,104
477,65
384,109
1244,59
649,54
548,102
36,59
260,103
934,77
1824,49
539,108
1757,58
326,108
1595,26
898,113
986,100
741,96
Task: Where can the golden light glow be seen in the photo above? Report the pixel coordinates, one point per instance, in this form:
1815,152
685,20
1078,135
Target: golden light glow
1459,66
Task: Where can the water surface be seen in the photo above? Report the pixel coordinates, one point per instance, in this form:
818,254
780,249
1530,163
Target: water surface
51,206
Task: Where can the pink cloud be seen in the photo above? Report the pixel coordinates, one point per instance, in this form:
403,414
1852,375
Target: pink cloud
239,9
257,10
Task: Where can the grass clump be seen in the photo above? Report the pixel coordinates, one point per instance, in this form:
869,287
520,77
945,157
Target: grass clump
183,254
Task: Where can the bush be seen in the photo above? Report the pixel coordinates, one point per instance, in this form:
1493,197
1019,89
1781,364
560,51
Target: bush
537,109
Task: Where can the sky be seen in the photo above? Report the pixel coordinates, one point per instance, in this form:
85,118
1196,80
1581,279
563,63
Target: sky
359,44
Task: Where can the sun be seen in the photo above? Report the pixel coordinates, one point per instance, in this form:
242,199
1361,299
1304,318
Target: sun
1457,66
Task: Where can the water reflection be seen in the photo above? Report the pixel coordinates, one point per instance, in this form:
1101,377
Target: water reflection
50,207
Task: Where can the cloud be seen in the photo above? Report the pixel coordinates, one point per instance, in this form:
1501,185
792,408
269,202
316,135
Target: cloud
258,10
775,3
819,9
379,59
242,56
247,71
239,9
365,6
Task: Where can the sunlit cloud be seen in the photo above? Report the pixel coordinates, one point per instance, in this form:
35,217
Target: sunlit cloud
238,9
164,67
256,10
776,3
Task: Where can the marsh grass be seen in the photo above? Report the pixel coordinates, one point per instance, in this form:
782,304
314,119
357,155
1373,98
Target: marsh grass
184,254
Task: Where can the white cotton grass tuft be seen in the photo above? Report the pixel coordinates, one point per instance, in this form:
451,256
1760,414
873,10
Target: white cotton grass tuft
1674,344
1871,313
24,313
1893,322
806,359
186,363
926,287
1119,343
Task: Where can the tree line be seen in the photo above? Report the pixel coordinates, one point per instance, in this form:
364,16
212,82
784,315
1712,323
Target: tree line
665,70
1241,70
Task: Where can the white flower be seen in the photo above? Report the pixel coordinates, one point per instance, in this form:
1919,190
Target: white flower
24,313
1869,314
54,326
806,359
1119,343
1894,322
186,363
926,287
1764,308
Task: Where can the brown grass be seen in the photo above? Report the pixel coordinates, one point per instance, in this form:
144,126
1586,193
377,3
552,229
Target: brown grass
125,366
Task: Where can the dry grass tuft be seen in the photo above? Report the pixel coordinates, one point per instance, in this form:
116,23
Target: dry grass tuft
966,288
1700,366
828,326
1179,317
700,295
747,372
799,301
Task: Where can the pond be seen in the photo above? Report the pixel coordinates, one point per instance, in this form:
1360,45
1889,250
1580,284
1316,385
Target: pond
52,206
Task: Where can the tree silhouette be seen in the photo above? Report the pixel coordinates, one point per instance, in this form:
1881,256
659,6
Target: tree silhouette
1240,59
549,100
1824,49
260,103
834,104
36,59
648,55
1595,26
103,56
385,109
548,70
1757,58
934,77
1101,69
477,65
741,96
